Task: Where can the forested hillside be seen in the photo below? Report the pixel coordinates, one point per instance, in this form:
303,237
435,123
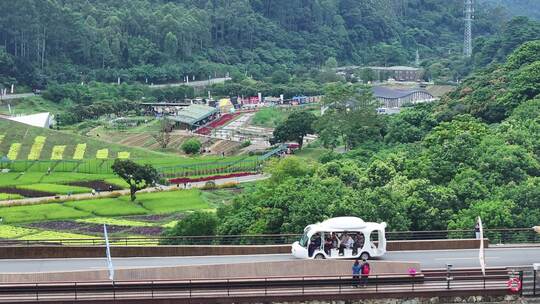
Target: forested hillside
431,167
160,41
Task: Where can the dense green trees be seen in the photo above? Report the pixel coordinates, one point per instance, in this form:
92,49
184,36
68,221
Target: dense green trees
295,127
191,146
197,223
438,167
159,41
492,95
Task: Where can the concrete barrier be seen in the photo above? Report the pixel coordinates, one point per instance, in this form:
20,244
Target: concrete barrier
43,252
295,268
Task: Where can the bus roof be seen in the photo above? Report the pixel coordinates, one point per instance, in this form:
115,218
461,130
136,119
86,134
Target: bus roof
344,223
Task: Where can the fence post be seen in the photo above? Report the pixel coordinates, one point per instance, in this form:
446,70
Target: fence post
75,291
190,289
534,283
339,284
228,288
37,292
152,289
265,286
521,280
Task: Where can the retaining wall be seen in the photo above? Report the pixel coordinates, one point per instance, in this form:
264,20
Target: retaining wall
296,268
43,252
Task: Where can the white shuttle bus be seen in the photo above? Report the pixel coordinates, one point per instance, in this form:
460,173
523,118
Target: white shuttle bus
341,238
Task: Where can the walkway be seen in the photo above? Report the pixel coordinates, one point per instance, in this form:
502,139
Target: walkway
64,198
199,83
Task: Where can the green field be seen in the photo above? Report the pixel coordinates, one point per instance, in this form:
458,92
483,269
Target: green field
114,221
9,196
15,132
37,213
146,203
268,117
56,189
71,220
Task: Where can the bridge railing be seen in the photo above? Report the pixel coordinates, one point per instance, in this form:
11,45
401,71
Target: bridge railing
496,236
435,283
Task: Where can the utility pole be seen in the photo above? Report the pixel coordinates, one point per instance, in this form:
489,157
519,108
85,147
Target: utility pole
469,16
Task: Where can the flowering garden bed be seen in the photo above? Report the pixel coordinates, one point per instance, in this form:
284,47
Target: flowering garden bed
182,180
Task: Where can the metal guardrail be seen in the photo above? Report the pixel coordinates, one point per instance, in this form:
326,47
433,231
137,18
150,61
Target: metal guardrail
505,236
439,281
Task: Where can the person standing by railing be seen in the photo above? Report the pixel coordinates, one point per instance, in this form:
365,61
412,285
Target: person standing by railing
477,230
365,273
356,269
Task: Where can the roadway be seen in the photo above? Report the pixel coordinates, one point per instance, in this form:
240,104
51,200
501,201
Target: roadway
198,83
495,257
16,96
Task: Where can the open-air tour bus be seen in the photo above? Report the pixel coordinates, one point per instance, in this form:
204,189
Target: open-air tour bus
341,238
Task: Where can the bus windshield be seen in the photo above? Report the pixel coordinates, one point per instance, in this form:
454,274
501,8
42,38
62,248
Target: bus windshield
304,239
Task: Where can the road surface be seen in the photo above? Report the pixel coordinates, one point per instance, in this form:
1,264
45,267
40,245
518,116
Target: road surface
198,83
495,257
15,96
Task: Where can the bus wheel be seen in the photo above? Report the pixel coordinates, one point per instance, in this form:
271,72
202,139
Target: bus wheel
319,256
364,256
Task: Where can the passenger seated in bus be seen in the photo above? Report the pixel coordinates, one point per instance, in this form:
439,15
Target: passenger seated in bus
328,246
314,244
335,241
356,244
346,242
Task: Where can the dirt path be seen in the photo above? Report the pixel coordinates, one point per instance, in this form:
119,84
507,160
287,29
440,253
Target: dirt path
105,194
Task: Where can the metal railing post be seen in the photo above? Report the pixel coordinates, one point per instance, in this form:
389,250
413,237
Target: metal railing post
521,280
265,286
190,287
152,289
534,283
37,292
339,284
228,288
75,291
303,285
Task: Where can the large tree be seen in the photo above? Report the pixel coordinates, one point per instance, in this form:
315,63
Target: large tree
295,127
137,176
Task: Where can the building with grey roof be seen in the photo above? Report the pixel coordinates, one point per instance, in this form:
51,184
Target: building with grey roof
194,116
396,98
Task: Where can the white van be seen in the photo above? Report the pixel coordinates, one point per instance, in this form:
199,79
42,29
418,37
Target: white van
341,238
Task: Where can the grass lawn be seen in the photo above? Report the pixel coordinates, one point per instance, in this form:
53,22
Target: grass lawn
115,221
9,196
311,153
216,197
172,201
269,117
56,189
38,213
108,207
